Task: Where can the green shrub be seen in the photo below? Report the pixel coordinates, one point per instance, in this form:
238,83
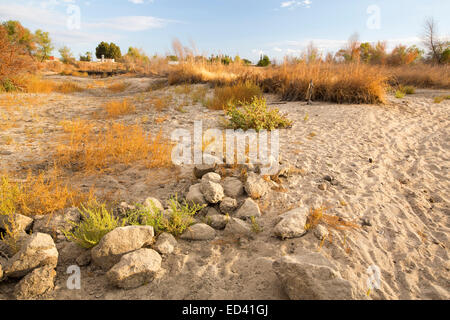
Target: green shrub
7,86
399,94
257,116
409,90
441,98
240,93
96,222
264,61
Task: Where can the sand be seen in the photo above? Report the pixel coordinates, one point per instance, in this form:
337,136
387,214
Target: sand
391,164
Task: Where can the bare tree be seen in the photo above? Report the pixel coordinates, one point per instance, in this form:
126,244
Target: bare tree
431,40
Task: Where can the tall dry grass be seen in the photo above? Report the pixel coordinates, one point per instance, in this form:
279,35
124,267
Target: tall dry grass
420,76
116,108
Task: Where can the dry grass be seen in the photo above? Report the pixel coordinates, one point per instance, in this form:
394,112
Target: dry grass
84,149
439,99
119,108
35,84
118,87
238,94
420,76
161,103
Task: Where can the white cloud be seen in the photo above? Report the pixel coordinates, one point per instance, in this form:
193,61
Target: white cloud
131,23
139,1
294,4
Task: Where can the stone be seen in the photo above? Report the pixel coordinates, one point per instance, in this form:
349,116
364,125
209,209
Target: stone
217,221
69,253
233,187
237,227
120,241
228,205
195,195
248,209
213,192
38,250
322,186
200,232
255,186
165,244
152,203
201,169
36,283
320,232
55,224
22,223
292,224
311,276
135,269
84,258
212,176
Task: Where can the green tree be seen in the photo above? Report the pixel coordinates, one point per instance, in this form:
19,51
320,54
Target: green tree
66,55
44,45
20,35
86,57
114,52
102,50
264,61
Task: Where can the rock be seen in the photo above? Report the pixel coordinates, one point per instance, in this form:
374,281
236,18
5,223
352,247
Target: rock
120,241
70,252
217,221
255,186
135,269
248,209
366,222
311,277
213,192
320,232
199,231
152,203
165,244
22,223
233,187
237,227
8,251
212,176
201,169
328,178
322,186
36,283
84,258
195,195
55,224
228,205
292,223
39,250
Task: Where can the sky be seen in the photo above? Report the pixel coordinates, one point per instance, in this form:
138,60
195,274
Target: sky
244,27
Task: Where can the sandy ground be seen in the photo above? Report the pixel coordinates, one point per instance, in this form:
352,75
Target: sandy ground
391,164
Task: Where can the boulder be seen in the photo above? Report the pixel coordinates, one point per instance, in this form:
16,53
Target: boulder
152,203
292,224
22,223
38,250
228,205
237,227
69,253
56,223
165,244
135,269
255,186
201,169
311,276
195,195
233,187
320,232
36,283
217,221
212,176
212,191
248,209
120,241
199,231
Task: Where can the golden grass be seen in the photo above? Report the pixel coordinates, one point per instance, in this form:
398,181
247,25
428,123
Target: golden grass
119,108
318,215
118,87
420,76
89,151
439,99
161,103
240,94
35,84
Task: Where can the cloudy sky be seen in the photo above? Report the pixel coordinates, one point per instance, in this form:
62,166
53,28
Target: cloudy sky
244,27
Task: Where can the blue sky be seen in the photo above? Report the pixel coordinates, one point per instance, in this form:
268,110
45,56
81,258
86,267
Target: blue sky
244,27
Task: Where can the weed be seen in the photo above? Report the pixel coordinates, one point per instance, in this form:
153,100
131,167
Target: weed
441,98
117,87
399,94
239,94
256,228
119,108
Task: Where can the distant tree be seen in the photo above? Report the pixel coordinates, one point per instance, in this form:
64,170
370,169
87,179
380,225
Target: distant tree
20,35
172,58
114,52
312,53
246,62
402,55
438,50
44,45
87,57
102,50
226,60
137,55
66,55
264,61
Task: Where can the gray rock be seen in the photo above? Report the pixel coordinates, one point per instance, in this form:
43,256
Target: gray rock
165,244
228,205
21,222
120,241
201,169
152,203
248,209
255,186
213,192
233,187
320,232
135,269
36,283
84,258
212,176
55,224
217,221
195,195
38,251
69,253
199,231
237,227
292,224
311,277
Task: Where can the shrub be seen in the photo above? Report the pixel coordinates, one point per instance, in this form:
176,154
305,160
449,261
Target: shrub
239,94
264,61
409,90
118,87
180,217
441,98
96,222
400,94
119,108
256,116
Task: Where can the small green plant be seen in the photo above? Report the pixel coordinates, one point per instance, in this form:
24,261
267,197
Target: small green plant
7,86
12,234
256,228
399,94
178,218
256,116
441,98
409,90
95,223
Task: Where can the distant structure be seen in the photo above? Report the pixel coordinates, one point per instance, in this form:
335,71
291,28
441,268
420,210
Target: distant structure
106,60
52,58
